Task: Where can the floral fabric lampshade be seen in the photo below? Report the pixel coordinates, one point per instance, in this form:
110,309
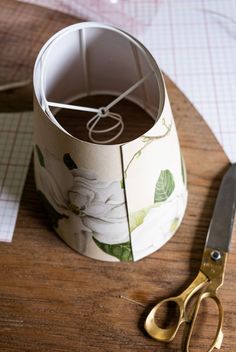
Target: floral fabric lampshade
107,200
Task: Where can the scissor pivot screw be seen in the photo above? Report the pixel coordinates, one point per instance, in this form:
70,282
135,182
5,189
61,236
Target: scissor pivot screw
215,255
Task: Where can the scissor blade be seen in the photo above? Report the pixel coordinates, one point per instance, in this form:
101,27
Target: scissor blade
221,226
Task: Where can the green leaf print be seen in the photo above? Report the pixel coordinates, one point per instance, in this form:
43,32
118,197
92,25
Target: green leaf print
53,215
136,218
183,170
174,225
164,187
69,162
122,251
122,184
40,155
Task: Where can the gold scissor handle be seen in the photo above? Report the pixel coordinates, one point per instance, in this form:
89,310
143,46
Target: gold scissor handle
156,331
181,301
219,333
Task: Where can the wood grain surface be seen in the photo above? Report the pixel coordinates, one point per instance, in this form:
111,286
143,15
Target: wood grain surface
53,299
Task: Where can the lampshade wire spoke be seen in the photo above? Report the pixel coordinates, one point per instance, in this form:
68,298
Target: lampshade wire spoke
103,112
72,107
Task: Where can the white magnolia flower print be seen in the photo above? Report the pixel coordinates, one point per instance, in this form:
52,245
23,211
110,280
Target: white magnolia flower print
90,214
99,205
50,178
158,226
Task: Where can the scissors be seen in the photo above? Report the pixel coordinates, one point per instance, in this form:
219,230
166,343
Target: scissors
211,274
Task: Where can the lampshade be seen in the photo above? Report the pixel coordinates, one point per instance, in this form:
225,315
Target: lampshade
109,195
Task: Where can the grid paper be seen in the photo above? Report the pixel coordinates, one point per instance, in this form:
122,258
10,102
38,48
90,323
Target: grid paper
15,152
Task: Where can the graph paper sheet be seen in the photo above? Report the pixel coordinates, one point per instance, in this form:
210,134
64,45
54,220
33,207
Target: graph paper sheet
15,153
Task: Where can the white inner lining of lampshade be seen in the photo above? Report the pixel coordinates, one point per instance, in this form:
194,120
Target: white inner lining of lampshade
90,59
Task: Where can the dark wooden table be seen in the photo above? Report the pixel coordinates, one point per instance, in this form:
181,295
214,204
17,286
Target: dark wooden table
53,299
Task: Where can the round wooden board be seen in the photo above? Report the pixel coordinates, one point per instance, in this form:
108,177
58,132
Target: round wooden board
53,299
